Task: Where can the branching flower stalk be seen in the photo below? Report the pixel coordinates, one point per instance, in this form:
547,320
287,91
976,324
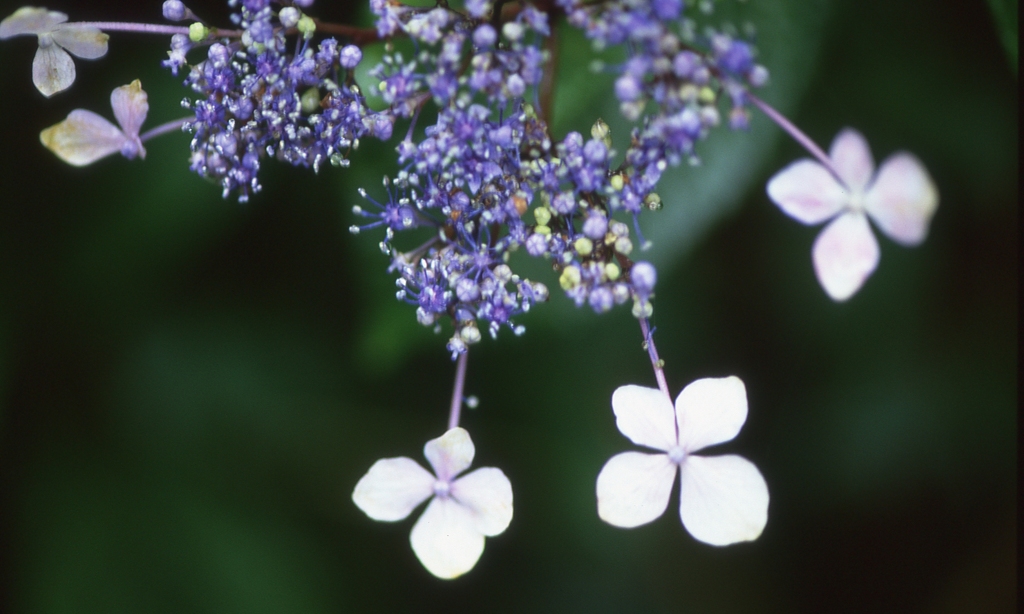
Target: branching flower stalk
486,178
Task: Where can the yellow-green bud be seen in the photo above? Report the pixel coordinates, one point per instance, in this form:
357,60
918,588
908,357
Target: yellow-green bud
707,95
544,230
653,201
197,32
583,246
602,132
617,182
310,100
623,246
612,271
307,26
642,311
542,215
570,278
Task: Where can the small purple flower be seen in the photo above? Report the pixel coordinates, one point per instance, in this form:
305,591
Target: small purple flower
350,56
175,10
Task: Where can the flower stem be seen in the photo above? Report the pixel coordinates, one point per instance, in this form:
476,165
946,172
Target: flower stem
165,128
796,133
657,363
145,28
460,381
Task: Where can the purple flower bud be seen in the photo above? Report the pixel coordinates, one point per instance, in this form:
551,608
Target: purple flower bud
516,86
596,225
595,152
564,203
667,9
351,56
601,299
289,16
757,76
467,290
303,3
627,88
536,245
684,63
485,36
644,277
174,10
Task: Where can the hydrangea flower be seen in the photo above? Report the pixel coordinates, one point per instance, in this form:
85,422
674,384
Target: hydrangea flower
53,70
449,537
900,199
723,499
84,137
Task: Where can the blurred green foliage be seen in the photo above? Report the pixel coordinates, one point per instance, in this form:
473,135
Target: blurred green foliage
192,387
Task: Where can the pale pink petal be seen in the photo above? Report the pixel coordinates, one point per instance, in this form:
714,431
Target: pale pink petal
633,488
852,158
645,416
487,493
82,138
450,454
392,488
446,540
30,20
844,255
710,411
723,499
131,105
87,43
807,192
902,199
53,70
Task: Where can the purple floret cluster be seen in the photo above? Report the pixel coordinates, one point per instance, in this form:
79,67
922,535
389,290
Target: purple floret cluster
483,178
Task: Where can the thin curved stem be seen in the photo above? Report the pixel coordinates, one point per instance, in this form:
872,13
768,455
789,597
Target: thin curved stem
460,381
146,28
797,134
170,126
657,363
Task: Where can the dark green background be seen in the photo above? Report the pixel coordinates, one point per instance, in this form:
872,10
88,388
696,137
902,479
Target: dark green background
190,388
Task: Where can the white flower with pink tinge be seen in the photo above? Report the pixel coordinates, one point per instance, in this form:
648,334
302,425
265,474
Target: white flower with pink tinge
900,199
449,537
722,500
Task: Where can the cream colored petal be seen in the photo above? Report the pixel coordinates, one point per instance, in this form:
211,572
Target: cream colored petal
53,70
82,138
852,158
845,254
30,20
392,488
446,540
903,199
488,494
807,192
723,499
86,43
645,416
711,410
633,488
131,105
451,453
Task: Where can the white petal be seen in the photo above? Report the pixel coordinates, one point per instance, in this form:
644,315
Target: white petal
30,20
851,156
902,199
392,488
487,493
633,488
87,43
53,70
450,454
645,416
446,540
723,499
807,192
82,138
710,411
131,105
844,255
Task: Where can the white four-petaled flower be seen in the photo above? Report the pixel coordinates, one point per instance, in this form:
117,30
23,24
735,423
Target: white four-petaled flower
723,499
53,70
449,537
84,137
900,199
